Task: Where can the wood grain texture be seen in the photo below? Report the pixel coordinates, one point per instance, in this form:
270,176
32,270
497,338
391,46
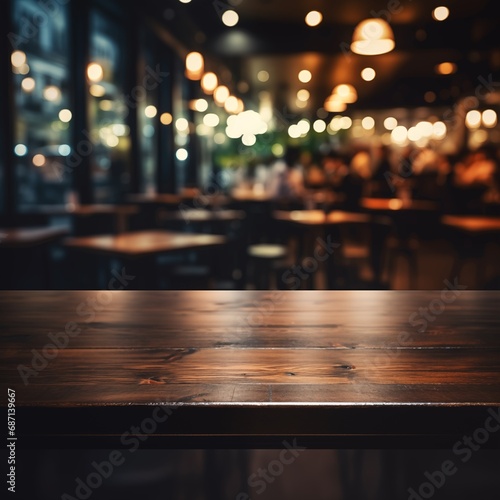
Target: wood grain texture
283,358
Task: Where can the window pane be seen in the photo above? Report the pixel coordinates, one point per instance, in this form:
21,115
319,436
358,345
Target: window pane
40,67
148,118
108,109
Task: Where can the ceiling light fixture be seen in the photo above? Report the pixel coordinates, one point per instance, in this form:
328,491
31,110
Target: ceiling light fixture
440,13
314,18
372,37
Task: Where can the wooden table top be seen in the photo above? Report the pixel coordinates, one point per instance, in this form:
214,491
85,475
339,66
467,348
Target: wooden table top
83,210
142,243
30,236
250,195
202,215
396,204
472,224
167,199
333,364
179,199
320,218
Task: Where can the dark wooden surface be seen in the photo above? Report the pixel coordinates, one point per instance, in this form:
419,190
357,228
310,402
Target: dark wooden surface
141,243
255,365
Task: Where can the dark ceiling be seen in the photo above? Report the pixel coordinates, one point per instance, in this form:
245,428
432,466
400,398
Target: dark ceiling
273,36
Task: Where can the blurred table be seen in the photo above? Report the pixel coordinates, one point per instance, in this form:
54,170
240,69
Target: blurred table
199,200
472,224
412,221
396,204
202,215
317,223
469,236
143,243
320,218
139,248
86,215
330,369
165,199
250,195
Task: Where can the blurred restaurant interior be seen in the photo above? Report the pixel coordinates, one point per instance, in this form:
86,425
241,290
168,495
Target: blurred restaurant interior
213,145
249,145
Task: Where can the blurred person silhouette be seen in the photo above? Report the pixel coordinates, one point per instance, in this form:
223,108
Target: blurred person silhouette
360,164
473,177
315,177
287,177
381,168
430,172
335,170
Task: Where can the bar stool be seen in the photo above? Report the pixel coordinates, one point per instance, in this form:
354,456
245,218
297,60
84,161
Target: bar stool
266,258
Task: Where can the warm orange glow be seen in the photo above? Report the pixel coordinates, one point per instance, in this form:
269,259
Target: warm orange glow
95,73
194,65
221,93
305,76
446,68
346,93
209,82
39,160
166,119
440,13
314,18
368,74
334,104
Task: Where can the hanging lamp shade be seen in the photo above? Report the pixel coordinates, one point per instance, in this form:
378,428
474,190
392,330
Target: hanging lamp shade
373,37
